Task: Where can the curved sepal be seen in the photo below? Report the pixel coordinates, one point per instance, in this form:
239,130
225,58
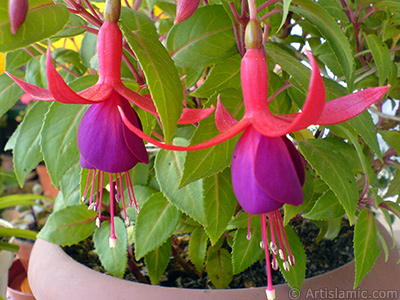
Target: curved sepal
223,119
272,125
344,108
235,130
144,102
191,115
36,92
61,91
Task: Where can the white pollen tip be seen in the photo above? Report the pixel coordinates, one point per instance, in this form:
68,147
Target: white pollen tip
137,209
270,294
291,260
286,266
262,245
281,254
112,242
98,222
248,237
127,221
83,199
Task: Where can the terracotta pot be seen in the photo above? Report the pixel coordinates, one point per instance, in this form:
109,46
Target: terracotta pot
55,275
18,286
24,252
44,178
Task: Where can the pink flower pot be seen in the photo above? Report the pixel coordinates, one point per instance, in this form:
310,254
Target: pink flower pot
18,286
55,275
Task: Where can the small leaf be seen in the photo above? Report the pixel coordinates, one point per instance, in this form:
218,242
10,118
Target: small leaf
27,154
154,224
21,199
245,252
69,226
114,259
19,233
334,170
327,207
219,267
223,75
189,199
392,207
59,139
381,55
365,127
198,247
69,187
286,6
392,137
40,23
205,38
366,248
162,78
332,32
219,202
157,261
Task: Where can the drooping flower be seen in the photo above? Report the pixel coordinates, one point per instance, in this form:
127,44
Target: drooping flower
105,143
267,170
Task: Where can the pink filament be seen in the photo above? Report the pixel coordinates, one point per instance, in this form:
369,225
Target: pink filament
249,228
101,193
123,196
130,186
265,240
92,188
87,184
284,233
112,211
279,233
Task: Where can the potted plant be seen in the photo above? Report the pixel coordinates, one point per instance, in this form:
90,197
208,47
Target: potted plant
194,76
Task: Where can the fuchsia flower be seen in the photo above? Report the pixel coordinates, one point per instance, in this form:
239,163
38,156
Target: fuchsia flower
267,170
104,141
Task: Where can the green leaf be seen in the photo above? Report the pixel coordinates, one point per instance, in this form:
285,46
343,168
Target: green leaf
8,247
381,55
334,169
332,32
223,75
219,202
114,259
21,199
136,20
205,38
365,127
19,233
297,273
203,163
69,225
155,223
18,58
10,92
162,78
88,49
189,199
74,27
383,244
69,187
40,23
300,74
219,267
366,247
59,139
392,207
198,247
157,261
327,207
286,6
392,137
394,185
27,154
245,252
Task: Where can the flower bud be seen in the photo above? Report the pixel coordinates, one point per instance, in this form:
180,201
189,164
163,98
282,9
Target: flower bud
184,9
17,11
253,35
112,11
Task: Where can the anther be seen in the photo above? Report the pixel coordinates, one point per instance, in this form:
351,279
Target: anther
262,245
273,247
274,263
281,255
112,242
137,209
286,266
98,222
92,206
83,199
270,294
117,198
248,237
127,221
291,260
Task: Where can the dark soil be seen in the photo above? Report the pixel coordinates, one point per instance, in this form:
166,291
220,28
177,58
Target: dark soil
321,258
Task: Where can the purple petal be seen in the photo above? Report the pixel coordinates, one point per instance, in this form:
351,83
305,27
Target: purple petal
249,193
276,173
296,158
102,138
